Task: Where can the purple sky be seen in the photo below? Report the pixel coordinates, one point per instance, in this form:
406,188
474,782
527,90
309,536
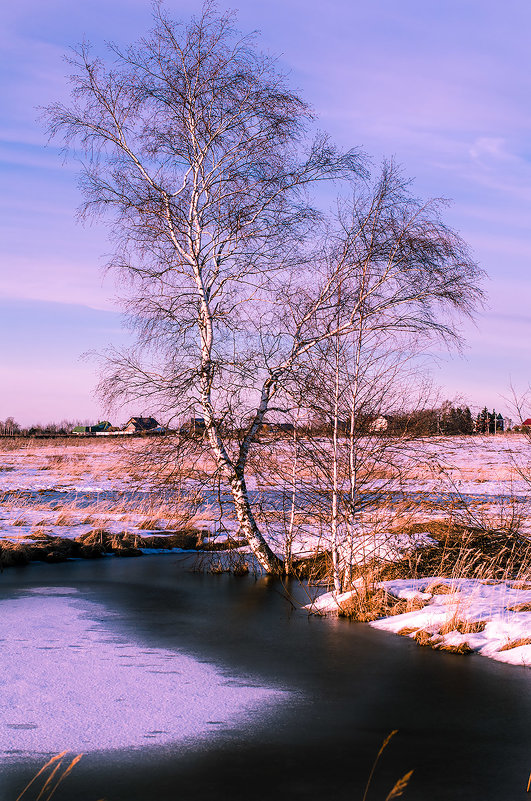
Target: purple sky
443,87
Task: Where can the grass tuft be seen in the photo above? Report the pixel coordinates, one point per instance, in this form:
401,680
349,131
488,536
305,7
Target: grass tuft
400,786
462,625
438,588
461,648
423,637
371,603
515,644
58,771
523,607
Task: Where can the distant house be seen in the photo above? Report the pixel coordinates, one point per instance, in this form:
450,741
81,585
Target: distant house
277,428
378,424
100,428
139,425
527,423
193,427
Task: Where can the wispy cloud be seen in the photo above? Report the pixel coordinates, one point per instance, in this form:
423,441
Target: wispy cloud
443,87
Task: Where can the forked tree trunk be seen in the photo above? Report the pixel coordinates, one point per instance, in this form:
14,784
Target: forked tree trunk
248,527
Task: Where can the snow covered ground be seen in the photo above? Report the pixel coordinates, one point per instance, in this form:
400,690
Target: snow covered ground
82,467
69,490
466,615
65,490
68,680
489,478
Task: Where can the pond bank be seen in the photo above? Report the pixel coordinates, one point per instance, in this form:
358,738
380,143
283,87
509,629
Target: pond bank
462,723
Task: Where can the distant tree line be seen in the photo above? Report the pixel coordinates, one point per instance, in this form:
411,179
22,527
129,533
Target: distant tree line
447,419
10,427
489,422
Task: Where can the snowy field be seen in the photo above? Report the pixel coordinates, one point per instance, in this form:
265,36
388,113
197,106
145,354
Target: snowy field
68,490
477,465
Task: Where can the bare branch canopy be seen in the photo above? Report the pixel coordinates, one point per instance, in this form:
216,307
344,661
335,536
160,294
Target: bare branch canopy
199,156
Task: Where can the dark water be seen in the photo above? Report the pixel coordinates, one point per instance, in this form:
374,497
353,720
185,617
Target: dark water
463,722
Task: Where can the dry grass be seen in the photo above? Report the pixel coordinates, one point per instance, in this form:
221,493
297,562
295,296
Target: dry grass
460,648
240,567
40,534
407,631
150,524
462,551
400,785
64,520
223,557
429,639
462,625
438,588
458,552
52,774
369,603
97,536
96,543
423,637
515,644
523,607
316,568
13,555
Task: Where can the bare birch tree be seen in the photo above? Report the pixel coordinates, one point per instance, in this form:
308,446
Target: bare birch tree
198,151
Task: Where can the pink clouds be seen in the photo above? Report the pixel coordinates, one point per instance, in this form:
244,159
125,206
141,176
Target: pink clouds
444,88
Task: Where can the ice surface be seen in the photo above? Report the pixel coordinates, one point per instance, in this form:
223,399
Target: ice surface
68,681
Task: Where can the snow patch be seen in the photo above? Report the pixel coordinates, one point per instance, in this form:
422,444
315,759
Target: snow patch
502,611
68,681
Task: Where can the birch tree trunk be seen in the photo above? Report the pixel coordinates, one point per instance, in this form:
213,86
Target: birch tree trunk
334,515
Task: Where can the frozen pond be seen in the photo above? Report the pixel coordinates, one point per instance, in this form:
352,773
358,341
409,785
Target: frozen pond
179,685
71,681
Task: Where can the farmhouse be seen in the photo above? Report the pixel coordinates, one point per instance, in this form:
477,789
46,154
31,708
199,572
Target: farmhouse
100,428
138,425
378,424
193,427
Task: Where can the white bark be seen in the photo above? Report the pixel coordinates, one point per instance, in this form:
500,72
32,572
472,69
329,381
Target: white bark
334,517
